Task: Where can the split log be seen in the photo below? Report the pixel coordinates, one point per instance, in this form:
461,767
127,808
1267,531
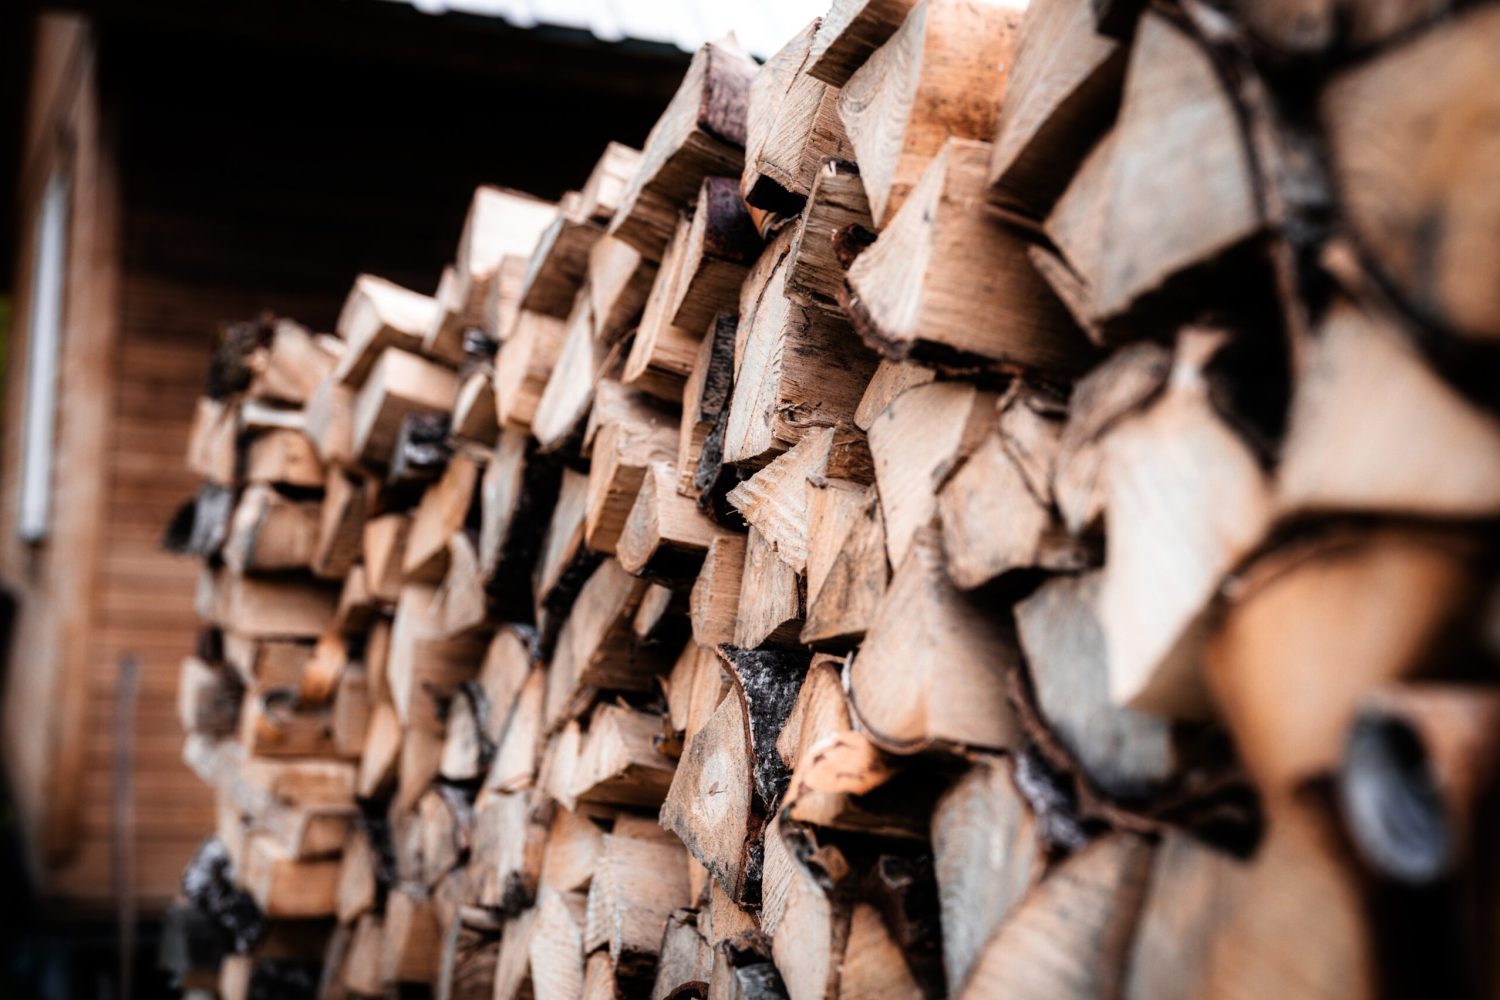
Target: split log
716,253
517,497
384,544
1124,753
666,536
1406,587
931,669
282,458
849,33
499,233
709,803
988,855
915,292
835,223
290,366
560,261
378,316
917,443
524,365
474,415
412,937
1070,937
565,562
771,602
285,887
442,511
685,961
341,525
515,764
1365,413
603,191
269,533
208,698
715,599
635,435
1203,202
426,665
705,395
620,279
662,354
700,134
1061,95
942,73
847,569
619,763
564,404
795,368
328,422
1187,501
555,945
399,384
1410,163
637,886
774,501
792,125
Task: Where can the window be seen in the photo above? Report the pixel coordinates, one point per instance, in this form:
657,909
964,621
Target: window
43,341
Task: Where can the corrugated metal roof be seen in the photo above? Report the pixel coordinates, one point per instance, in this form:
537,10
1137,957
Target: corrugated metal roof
762,26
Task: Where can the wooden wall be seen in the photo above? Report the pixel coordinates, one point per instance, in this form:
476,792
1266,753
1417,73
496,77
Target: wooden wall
209,187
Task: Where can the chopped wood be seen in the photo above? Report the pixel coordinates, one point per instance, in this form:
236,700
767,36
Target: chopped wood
379,316
942,261
835,217
771,601
709,804
399,384
620,279
942,73
619,763
849,33
637,886
705,396
700,134
716,253
524,365
792,125
282,458
665,536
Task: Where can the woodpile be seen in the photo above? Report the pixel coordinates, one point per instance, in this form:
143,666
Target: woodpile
980,505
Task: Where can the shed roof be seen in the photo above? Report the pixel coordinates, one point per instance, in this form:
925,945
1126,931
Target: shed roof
762,26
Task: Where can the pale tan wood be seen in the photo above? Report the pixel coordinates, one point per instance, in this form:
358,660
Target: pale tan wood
638,884
717,249
265,663
412,937
835,221
269,533
555,947
796,368
516,757
506,668
665,536
686,960
700,134
565,561
809,937
1193,891
426,665
509,841
500,230
619,763
384,547
1176,146
988,855
931,667
382,750
416,767
935,266
282,457
715,598
351,712
467,966
1298,921
709,804
1070,937
259,608
564,404
917,442
1410,165
662,354
573,845
361,969
474,415
775,500
379,315
1365,415
600,196
328,422
599,978
513,966
620,278
942,73
771,603
1403,587
873,964
792,124
1187,500
849,33
399,384
1062,90
1128,379
284,887
441,512
997,510
211,451
622,451
558,263
341,524
595,648
524,365
463,743
465,602
289,367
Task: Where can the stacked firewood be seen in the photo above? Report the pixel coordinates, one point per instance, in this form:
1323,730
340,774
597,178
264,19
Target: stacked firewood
983,504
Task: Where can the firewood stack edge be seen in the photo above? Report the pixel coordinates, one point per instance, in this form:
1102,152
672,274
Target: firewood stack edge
982,505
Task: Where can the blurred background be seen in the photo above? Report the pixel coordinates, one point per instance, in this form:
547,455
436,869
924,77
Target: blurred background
167,166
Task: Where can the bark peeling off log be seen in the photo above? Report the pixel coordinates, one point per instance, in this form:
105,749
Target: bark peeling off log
768,681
